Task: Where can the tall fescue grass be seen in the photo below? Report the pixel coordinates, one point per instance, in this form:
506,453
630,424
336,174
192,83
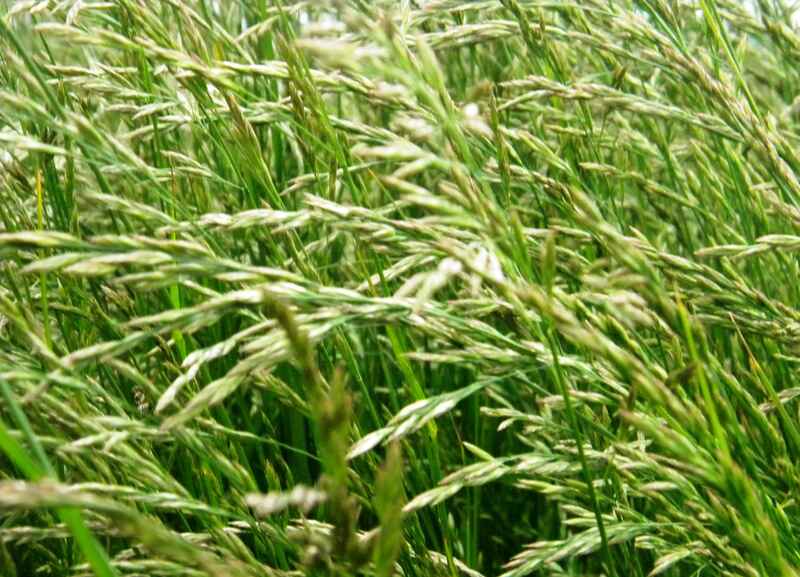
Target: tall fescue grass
399,287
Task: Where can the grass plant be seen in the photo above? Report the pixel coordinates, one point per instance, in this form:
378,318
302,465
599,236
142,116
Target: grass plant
399,287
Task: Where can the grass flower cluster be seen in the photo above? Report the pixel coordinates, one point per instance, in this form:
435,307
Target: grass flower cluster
412,288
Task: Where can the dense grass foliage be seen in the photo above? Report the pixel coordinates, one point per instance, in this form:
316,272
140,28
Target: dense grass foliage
399,287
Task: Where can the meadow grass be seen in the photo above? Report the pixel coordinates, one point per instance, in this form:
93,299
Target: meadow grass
399,287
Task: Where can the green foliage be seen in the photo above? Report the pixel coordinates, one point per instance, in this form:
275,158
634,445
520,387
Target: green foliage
432,287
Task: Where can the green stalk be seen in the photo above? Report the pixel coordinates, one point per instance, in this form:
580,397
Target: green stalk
95,555
577,431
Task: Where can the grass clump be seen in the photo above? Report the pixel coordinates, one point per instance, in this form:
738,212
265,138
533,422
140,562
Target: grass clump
440,287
